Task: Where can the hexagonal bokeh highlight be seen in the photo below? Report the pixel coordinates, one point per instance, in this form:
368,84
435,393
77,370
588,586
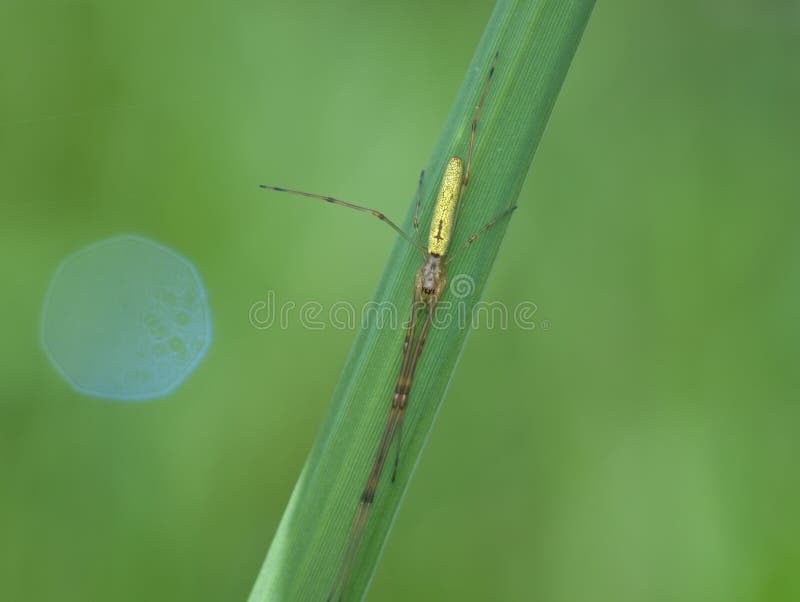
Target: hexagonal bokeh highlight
126,319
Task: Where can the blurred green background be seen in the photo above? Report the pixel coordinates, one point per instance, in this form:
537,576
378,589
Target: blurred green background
644,447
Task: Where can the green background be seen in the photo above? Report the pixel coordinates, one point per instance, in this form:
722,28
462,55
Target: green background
640,444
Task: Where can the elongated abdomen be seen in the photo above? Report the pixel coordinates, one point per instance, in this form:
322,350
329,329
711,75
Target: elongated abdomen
444,214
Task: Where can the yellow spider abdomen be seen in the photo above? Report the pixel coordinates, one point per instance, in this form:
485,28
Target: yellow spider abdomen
444,213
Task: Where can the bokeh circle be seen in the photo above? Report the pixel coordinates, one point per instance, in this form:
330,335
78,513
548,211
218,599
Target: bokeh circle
126,318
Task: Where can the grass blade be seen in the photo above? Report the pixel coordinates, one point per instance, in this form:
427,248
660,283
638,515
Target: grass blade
536,41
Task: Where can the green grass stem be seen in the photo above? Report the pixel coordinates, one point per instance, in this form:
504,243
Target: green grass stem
536,40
